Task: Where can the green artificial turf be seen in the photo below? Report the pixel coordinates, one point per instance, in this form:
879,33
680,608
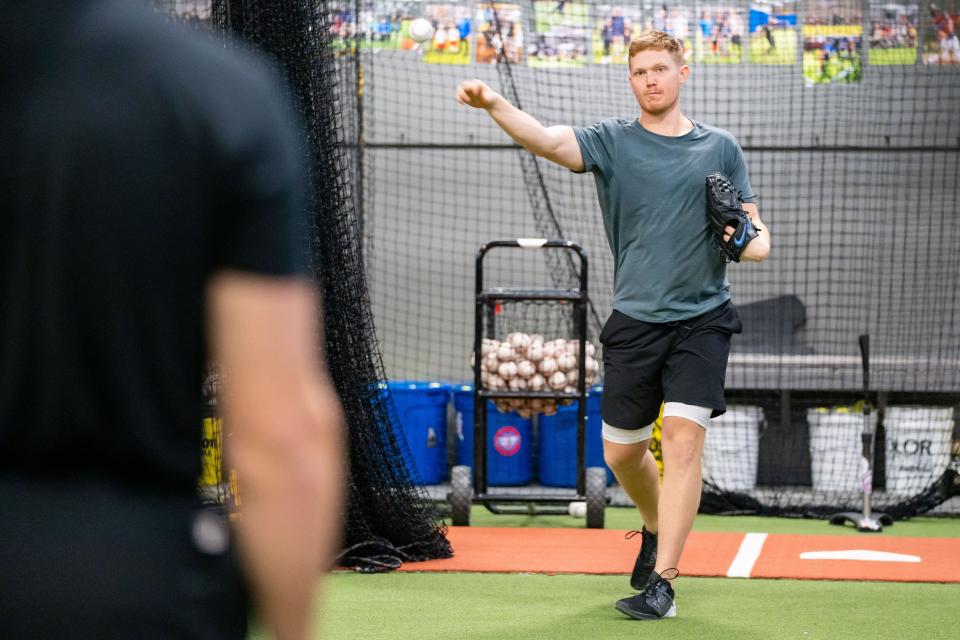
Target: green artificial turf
421,606
521,606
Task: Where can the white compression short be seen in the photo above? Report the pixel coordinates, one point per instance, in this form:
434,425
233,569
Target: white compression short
699,415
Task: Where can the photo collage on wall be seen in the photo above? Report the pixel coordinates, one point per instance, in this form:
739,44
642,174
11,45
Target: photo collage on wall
829,40
561,34
499,34
832,41
719,34
893,33
940,42
613,27
452,24
671,19
772,31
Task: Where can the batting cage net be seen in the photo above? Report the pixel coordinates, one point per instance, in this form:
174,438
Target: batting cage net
389,519
846,113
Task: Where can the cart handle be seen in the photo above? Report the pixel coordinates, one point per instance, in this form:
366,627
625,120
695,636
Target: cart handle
532,243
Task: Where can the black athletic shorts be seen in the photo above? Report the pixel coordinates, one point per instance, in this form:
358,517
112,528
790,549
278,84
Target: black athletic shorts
86,559
647,363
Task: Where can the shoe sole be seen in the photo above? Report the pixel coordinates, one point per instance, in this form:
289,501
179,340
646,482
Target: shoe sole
637,615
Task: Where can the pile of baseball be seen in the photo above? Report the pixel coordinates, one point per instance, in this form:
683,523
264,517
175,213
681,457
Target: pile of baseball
526,362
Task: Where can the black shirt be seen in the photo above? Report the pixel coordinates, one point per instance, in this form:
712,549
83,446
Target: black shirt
136,159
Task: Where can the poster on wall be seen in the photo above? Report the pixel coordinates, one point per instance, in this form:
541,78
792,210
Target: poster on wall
671,19
377,25
893,33
561,34
832,42
503,44
773,32
452,29
343,27
719,34
613,27
941,45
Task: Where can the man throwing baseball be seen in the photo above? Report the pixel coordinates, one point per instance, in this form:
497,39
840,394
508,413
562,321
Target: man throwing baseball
677,206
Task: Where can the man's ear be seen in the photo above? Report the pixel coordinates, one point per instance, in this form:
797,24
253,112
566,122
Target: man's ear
684,73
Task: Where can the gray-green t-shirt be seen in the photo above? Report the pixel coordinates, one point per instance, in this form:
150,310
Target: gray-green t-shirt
653,200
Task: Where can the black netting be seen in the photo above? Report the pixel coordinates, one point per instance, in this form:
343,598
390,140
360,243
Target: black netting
847,115
389,519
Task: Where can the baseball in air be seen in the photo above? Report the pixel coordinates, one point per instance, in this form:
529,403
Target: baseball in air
420,30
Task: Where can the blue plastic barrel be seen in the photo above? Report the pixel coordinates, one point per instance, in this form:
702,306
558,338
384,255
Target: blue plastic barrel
558,443
509,441
422,411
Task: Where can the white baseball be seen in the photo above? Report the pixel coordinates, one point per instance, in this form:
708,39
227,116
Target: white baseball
535,353
592,365
517,384
526,369
519,342
548,366
549,349
536,383
420,30
566,362
557,380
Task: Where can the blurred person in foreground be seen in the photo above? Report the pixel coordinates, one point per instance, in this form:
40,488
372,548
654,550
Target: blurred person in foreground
153,207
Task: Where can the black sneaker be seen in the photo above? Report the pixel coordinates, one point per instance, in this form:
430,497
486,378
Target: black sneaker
653,603
646,559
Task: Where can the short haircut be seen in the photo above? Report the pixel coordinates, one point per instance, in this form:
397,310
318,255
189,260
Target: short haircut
657,41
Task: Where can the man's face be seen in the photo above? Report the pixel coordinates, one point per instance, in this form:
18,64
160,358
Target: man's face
656,78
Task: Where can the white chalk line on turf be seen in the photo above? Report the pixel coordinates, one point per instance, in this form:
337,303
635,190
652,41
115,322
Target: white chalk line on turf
747,555
865,555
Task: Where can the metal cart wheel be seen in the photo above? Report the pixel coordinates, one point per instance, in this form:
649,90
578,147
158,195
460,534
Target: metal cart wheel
596,490
461,495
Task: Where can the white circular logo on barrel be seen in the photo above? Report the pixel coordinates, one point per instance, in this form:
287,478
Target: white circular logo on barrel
507,441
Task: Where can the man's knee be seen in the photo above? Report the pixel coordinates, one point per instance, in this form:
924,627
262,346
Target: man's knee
682,441
618,456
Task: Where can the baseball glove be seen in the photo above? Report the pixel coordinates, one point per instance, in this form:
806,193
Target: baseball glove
724,210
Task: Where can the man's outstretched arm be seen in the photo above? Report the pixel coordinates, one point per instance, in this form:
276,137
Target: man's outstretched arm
557,144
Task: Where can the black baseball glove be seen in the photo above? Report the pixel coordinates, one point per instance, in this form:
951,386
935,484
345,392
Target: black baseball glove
724,210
